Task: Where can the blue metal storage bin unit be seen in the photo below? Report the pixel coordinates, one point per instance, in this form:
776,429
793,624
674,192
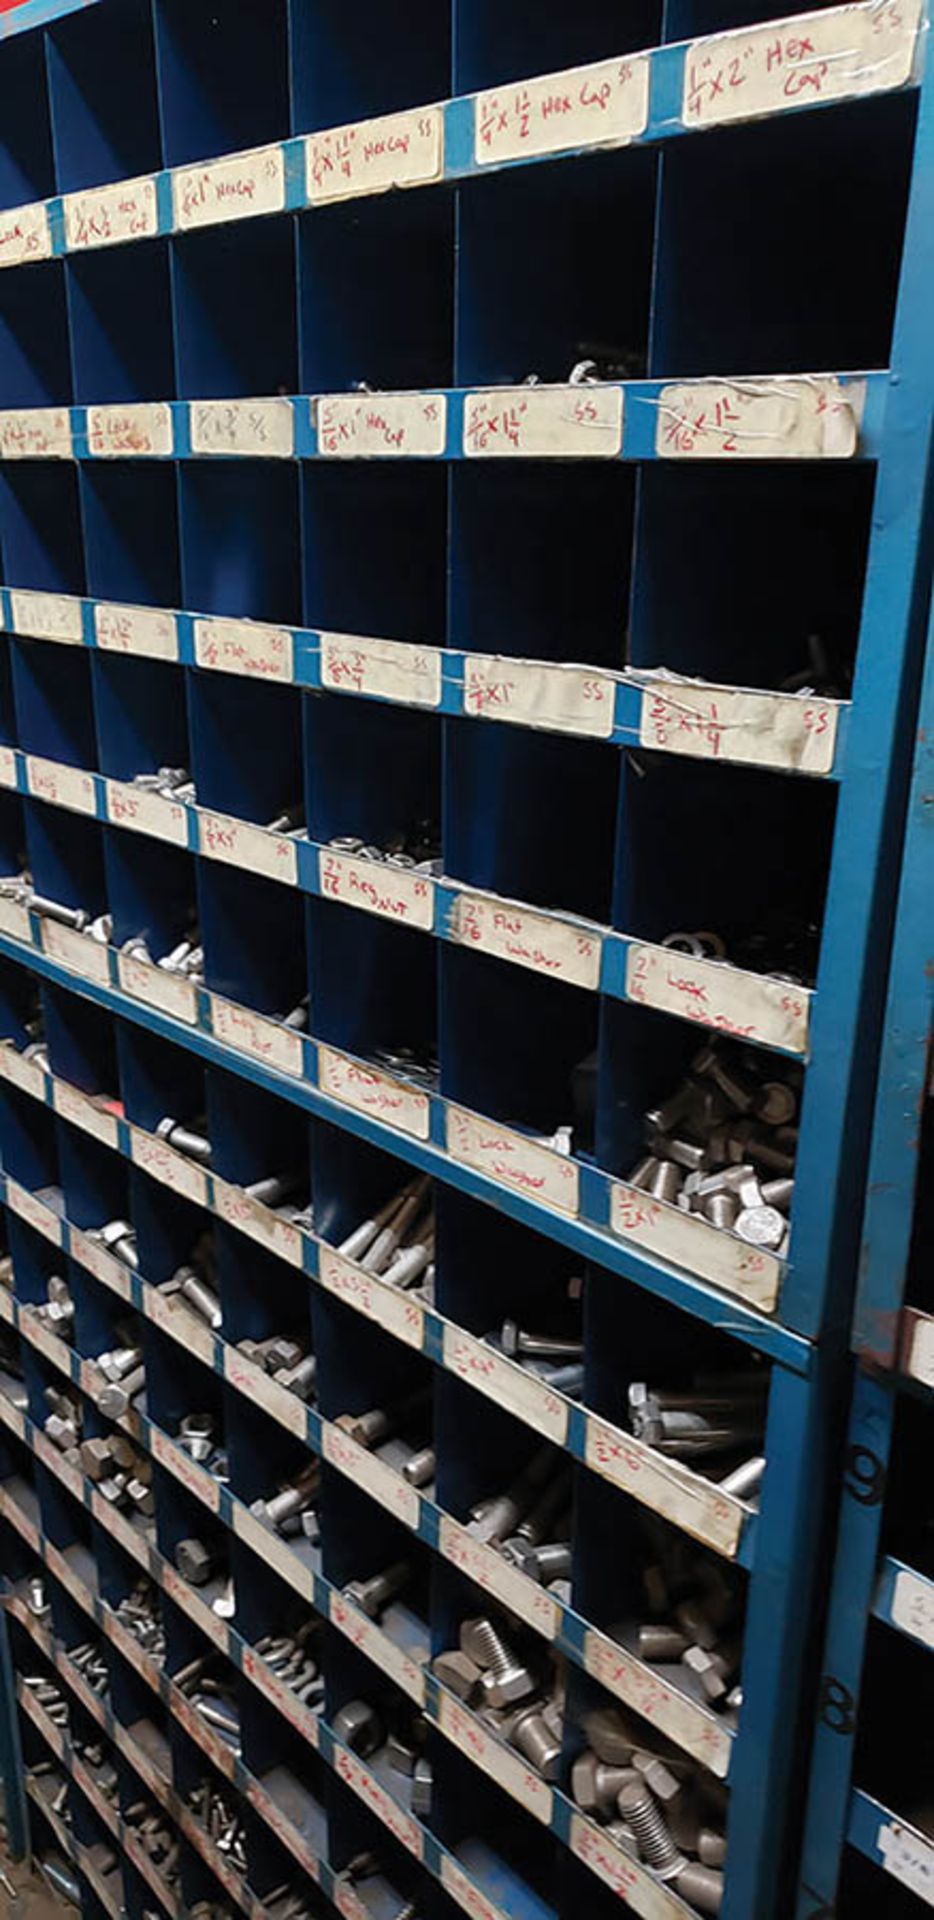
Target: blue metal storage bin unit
870,1839
313,552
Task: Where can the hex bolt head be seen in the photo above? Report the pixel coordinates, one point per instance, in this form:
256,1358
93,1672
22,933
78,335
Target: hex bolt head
358,1727
760,1226
610,1736
711,1847
459,1674
701,1887
194,1561
595,1786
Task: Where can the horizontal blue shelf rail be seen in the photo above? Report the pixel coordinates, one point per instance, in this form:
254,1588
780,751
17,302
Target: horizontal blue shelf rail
634,99
790,416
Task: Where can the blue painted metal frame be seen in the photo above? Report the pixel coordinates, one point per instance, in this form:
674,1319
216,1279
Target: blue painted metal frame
836,1108
861,1587
37,13
11,1755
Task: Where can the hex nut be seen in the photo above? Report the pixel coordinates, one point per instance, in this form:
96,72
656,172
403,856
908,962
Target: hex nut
194,1562
358,1727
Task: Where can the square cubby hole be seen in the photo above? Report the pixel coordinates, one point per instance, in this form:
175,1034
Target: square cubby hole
246,748
376,293
395,514
777,623
235,320
141,716
27,169
687,828
54,709
206,49
539,288
509,40
120,312
540,560
35,364
130,517
373,773
103,131
530,815
239,539
494,1017
40,525
373,986
353,66
783,292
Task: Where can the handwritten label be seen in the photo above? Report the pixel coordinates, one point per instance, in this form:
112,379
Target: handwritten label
369,1091
286,1408
259,1223
112,214
462,1889
800,62
597,106
396,1311
469,1734
368,1471
920,1364
781,418
398,150
238,844
25,1074
35,433
378,1647
14,920
727,723
276,1551
374,426
540,423
549,1177
147,631
236,188
382,669
111,1272
12,1417
532,694
510,1386
244,646
184,1469
47,616
25,234
140,432
387,1810
140,810
168,991
57,1464
280,1695
538,941
282,1824
693,1727
488,1570
172,1169
623,1875
76,952
7,760
172,1315
187,1598
35,1213
61,786
39,1336
71,1104
908,1857
667,1486
713,994
390,892
128,1645
203,1735
276,1046
238,427
687,1241
913,1606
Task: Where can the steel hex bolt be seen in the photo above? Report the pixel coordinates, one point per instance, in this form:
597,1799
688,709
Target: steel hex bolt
656,1845
371,1596
595,1786
521,1345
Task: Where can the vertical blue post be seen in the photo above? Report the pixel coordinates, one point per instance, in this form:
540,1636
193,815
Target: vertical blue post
11,1757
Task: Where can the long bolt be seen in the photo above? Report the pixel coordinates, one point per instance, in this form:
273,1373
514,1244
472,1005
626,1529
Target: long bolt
656,1845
